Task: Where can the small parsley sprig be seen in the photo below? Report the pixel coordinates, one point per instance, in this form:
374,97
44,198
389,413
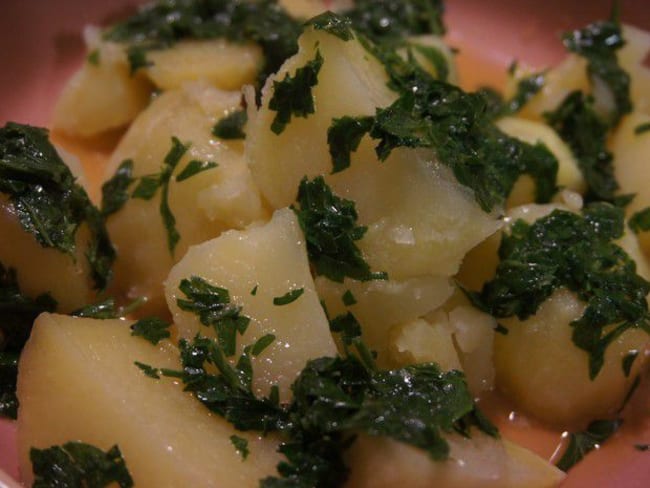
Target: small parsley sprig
77,464
582,443
47,200
330,227
574,251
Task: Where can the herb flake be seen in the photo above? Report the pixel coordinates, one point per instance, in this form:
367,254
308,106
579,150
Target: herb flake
231,126
153,329
289,297
582,443
241,445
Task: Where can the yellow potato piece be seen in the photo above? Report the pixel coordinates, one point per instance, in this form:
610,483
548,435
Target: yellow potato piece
78,382
203,205
480,462
221,63
538,355
257,265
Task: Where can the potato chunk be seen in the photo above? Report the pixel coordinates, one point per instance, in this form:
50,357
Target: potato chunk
203,205
420,220
257,265
480,462
78,382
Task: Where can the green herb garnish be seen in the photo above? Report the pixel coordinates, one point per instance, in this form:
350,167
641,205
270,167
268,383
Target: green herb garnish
577,252
102,310
48,202
289,297
76,464
231,126
640,221
241,445
642,128
334,24
581,443
213,307
115,191
527,88
330,227
150,371
292,96
193,168
153,329
628,361
348,298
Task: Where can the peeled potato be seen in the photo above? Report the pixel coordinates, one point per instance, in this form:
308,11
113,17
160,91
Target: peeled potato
78,381
257,265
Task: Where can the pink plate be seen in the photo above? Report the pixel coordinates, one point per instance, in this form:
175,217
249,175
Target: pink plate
41,45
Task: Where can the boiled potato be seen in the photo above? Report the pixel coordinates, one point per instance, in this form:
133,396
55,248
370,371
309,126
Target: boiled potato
479,461
45,269
381,305
538,355
78,381
203,205
257,265
223,64
632,58
100,96
420,220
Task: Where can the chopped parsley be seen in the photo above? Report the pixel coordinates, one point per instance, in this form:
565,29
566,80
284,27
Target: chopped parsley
628,361
261,344
330,227
642,128
194,167
115,191
76,464
344,137
289,297
254,290
598,43
213,307
577,252
292,95
581,443
241,445
161,24
348,298
102,310
640,221
93,57
47,200
150,371
231,126
577,123
527,88
153,329
332,24
17,314
435,57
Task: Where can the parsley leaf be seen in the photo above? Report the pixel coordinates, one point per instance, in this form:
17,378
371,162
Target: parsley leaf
161,24
348,298
261,344
344,137
115,191
329,225
640,221
48,202
334,24
527,88
153,329
76,464
586,134
213,307
195,167
150,371
102,310
568,250
241,445
292,96
231,126
8,379
628,361
598,43
581,443
642,128
289,297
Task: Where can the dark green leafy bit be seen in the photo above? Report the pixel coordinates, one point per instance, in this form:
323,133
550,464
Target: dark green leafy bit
137,57
48,202
8,377
150,371
241,445
574,251
642,128
581,443
102,310
149,185
93,57
194,167
289,297
115,192
628,361
153,329
161,24
527,88
17,314
640,221
334,24
77,465
292,95
213,307
458,128
261,344
330,227
394,20
577,123
598,43
231,126
348,298
344,137
254,290
435,57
